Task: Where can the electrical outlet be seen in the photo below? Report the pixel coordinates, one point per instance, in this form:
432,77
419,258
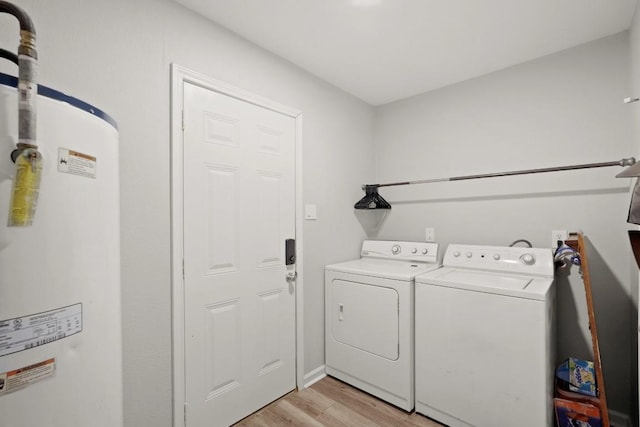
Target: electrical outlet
430,234
558,235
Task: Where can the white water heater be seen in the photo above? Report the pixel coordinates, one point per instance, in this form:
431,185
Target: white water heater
60,323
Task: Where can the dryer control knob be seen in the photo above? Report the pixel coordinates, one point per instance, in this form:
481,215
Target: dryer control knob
469,254
496,256
528,259
414,251
395,249
456,254
424,251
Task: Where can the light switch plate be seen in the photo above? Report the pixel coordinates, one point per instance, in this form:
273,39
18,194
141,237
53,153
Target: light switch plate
310,212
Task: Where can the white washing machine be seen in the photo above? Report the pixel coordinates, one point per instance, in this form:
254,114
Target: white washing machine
485,338
369,338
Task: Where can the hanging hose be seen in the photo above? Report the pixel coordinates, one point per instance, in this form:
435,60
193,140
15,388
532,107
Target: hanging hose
9,55
525,241
28,159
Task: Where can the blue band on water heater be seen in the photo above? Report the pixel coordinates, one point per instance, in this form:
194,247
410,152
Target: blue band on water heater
12,81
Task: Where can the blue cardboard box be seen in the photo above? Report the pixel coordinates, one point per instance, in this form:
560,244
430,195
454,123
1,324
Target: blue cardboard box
577,375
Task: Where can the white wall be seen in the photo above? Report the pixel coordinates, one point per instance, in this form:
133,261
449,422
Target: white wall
562,109
116,55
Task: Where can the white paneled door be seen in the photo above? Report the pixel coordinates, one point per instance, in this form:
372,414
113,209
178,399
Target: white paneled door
239,208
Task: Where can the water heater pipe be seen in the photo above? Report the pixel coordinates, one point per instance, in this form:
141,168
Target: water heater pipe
27,79
27,158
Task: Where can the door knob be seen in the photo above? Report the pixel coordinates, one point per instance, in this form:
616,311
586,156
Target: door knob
291,276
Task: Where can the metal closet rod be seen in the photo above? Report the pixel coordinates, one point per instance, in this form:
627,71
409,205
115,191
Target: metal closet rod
623,162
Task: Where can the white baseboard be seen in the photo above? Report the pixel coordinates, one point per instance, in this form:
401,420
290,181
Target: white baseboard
314,376
618,419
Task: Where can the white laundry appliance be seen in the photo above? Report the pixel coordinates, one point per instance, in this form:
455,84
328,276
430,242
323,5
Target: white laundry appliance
369,338
485,337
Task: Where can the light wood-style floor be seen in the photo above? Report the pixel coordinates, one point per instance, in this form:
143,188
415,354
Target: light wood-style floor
330,402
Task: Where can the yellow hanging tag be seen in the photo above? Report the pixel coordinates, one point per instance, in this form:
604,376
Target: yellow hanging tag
26,185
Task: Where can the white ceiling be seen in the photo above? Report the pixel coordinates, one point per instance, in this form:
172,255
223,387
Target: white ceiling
385,50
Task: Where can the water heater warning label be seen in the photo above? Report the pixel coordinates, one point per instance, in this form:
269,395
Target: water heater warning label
76,163
20,378
23,333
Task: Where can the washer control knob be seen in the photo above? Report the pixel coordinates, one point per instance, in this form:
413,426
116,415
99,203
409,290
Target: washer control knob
414,251
395,249
496,256
456,254
528,259
469,254
424,251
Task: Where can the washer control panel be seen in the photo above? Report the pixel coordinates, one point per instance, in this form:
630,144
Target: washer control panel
538,261
400,250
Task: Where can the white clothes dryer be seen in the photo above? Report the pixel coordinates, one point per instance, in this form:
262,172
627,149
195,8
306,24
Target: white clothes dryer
369,339
485,338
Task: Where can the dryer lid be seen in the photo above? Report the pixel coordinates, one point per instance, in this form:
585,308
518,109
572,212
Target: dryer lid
389,269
